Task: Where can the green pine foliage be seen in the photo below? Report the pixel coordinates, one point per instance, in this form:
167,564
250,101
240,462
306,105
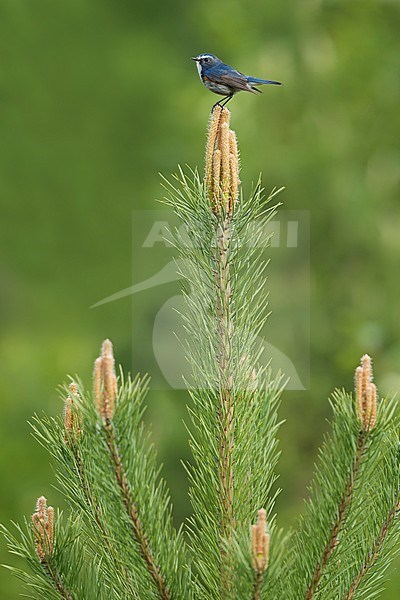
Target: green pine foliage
85,475
119,542
70,567
253,440
353,499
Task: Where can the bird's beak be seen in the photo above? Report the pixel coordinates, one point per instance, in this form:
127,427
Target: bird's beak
194,58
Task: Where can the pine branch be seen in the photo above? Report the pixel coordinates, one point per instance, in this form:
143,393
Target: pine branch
235,401
227,402
57,562
132,512
341,515
105,387
355,486
78,471
373,539
373,554
73,434
220,184
55,578
43,529
258,579
85,449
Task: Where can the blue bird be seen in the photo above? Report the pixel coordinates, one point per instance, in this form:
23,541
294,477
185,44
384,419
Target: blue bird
225,80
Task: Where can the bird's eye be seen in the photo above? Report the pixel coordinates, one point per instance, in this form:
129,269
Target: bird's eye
206,59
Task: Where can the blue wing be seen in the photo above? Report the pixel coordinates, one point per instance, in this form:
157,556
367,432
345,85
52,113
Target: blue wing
225,75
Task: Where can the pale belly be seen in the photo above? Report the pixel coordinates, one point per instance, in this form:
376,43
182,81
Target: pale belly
217,88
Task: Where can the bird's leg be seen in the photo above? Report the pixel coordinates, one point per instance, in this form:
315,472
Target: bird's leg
222,102
226,100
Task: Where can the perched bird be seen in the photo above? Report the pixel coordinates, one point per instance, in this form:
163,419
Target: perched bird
225,80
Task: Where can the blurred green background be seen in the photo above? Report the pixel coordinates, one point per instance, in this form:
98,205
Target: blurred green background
97,98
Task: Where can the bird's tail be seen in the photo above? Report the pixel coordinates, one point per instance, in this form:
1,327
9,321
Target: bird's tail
256,81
